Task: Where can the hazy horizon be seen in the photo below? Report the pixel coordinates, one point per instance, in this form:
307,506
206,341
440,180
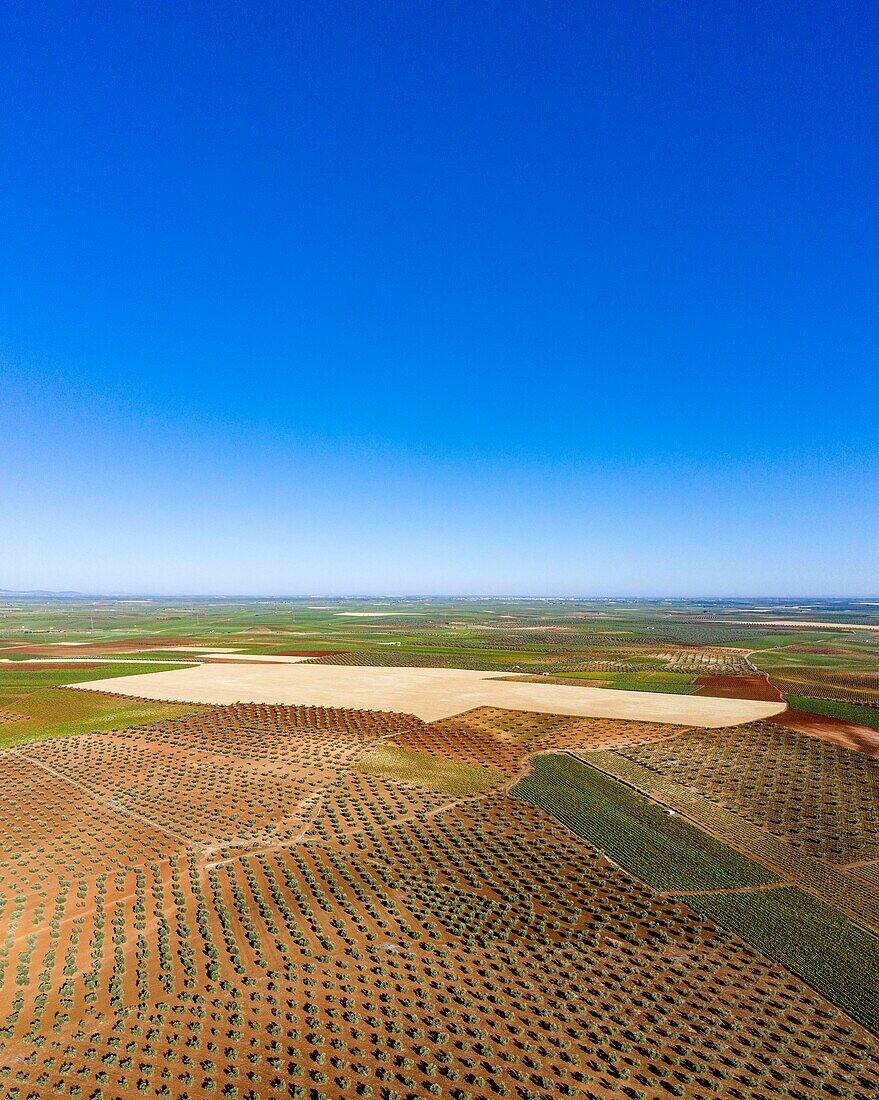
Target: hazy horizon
141,596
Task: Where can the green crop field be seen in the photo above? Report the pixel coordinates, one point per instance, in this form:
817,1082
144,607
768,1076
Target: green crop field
665,851
35,706
15,679
810,938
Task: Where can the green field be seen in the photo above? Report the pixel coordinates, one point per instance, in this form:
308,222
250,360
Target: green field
19,678
532,634
845,656
794,928
677,683
811,939
430,772
847,712
665,851
47,710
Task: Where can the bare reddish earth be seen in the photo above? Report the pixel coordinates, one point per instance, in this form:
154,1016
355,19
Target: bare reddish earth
862,738
847,734
738,687
224,905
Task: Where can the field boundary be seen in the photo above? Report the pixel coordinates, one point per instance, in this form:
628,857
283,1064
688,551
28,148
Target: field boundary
850,895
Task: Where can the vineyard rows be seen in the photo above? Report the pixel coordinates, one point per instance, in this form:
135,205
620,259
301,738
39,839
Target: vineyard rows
853,896
829,683
809,938
668,853
821,797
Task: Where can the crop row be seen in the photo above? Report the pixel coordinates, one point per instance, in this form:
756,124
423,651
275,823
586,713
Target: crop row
484,950
853,896
810,938
664,850
829,683
820,796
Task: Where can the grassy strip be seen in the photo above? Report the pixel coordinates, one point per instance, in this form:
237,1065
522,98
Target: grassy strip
809,938
18,678
53,712
847,712
665,851
49,711
449,776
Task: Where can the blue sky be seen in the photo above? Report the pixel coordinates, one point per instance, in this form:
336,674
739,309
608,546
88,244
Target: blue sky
545,298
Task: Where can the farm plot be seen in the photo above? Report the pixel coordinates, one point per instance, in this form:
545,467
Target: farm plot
860,688
35,706
431,772
846,891
430,693
821,797
868,871
396,945
808,937
605,664
666,852
851,713
710,663
415,659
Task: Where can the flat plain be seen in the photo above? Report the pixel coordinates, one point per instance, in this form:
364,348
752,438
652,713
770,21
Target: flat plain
289,898
429,693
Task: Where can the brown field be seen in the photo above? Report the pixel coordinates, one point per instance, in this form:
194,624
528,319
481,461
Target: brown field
225,905
738,687
861,738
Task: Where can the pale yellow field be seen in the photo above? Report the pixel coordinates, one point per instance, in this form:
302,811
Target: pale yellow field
429,693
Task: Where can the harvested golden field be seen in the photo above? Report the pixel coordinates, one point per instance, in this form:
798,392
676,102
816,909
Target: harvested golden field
233,904
430,693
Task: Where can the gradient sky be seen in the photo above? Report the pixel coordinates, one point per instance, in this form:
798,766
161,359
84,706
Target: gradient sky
520,298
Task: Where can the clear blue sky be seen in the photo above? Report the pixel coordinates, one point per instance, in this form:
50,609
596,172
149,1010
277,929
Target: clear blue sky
538,298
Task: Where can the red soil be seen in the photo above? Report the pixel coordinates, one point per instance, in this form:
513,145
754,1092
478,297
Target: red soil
850,736
222,904
738,687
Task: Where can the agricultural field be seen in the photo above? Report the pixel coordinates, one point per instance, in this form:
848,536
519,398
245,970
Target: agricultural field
665,851
427,771
861,688
809,937
262,899
844,712
820,797
237,900
33,704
